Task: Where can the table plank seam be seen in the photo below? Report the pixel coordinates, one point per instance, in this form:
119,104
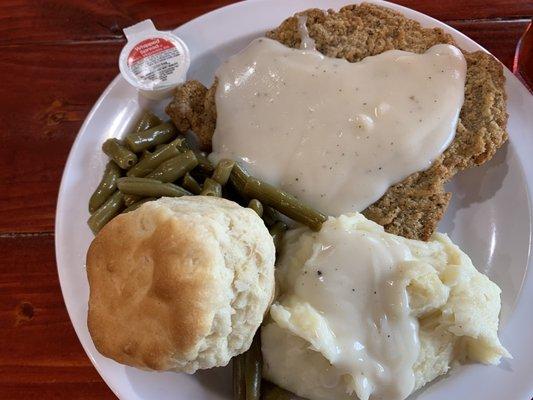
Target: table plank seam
17,235
522,19
66,42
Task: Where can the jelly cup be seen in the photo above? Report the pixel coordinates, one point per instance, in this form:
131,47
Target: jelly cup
153,61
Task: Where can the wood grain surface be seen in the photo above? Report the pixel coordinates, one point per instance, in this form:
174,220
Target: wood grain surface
56,57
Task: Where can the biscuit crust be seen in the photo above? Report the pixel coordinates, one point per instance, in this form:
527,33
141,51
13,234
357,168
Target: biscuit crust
179,284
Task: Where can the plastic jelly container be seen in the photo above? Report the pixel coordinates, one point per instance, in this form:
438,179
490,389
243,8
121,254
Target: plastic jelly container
153,61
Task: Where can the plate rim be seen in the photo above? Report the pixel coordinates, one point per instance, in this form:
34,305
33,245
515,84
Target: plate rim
61,197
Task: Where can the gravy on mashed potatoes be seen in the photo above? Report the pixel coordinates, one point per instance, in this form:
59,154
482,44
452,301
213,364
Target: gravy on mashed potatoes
367,313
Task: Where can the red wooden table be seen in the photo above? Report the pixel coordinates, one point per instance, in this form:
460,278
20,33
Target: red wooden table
56,57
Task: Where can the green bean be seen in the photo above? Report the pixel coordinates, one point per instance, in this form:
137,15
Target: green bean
203,162
174,168
136,205
124,158
153,160
256,205
223,171
277,232
139,141
148,120
252,370
239,388
130,199
144,155
181,144
270,216
145,187
284,203
211,188
106,212
191,184
238,178
106,187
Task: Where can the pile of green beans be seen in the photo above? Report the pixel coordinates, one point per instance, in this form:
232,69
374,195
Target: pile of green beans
144,166
153,161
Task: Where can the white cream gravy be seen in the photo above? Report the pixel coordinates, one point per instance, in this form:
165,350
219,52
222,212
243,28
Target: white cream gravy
336,134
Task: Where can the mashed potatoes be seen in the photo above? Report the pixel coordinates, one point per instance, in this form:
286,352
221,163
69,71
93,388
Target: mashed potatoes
363,312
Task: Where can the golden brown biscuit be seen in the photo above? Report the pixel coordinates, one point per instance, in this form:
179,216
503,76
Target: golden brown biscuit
179,284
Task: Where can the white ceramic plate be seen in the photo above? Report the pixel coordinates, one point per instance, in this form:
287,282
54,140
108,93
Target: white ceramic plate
489,217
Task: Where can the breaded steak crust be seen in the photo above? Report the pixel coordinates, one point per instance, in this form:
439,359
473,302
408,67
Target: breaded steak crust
413,207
